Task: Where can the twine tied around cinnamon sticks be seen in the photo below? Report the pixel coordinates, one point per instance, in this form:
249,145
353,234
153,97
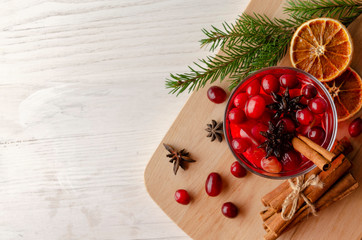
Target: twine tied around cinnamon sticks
297,191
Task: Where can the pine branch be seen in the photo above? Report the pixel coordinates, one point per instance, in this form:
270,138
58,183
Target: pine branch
254,42
344,10
258,34
255,27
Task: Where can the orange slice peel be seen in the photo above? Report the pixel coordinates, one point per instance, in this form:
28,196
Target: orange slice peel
322,47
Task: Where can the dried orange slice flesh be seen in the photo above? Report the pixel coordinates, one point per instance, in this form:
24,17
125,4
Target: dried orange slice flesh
322,47
346,91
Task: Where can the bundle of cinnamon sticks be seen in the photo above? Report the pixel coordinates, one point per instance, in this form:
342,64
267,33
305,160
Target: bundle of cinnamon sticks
331,170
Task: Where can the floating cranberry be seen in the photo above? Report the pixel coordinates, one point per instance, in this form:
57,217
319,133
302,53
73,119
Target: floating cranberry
355,127
255,155
271,164
309,91
255,107
216,94
237,170
304,116
229,210
253,88
213,184
317,105
289,125
291,161
182,197
240,100
255,131
289,80
270,84
317,135
266,117
237,115
240,144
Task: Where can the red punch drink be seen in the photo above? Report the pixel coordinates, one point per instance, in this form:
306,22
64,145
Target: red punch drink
267,110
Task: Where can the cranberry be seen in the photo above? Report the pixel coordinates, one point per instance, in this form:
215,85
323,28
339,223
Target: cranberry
304,116
288,124
182,197
288,80
237,115
270,84
229,210
317,105
291,161
255,131
240,144
271,164
255,155
317,135
240,100
213,184
355,127
216,94
237,170
255,107
266,117
253,88
309,91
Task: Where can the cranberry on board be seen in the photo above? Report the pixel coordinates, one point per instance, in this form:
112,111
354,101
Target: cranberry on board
240,100
182,196
240,144
317,135
270,84
309,91
255,107
317,105
237,115
291,161
289,80
213,184
355,127
229,210
216,94
271,164
253,88
304,116
237,170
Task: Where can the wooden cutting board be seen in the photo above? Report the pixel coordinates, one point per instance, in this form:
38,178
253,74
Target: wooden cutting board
202,218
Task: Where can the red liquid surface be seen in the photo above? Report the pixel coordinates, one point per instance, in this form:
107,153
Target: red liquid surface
248,130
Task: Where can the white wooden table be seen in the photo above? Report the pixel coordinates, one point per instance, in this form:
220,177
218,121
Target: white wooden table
82,108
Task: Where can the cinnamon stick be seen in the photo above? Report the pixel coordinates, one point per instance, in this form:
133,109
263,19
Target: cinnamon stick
319,160
267,213
342,188
283,190
322,151
339,166
345,186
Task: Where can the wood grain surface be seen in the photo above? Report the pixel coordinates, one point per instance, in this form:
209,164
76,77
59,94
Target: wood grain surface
202,218
83,107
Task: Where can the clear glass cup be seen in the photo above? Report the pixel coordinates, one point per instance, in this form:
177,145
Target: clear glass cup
328,121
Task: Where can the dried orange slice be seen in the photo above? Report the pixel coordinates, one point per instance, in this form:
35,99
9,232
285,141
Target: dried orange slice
346,91
322,47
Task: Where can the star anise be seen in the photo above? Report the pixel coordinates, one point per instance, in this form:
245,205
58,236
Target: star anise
214,131
277,141
178,158
286,105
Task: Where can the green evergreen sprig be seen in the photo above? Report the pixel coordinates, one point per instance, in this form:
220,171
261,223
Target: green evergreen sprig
255,41
344,10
